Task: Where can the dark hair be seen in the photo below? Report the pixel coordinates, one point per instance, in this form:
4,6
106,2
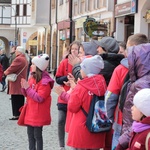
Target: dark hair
37,75
26,51
123,45
75,42
138,38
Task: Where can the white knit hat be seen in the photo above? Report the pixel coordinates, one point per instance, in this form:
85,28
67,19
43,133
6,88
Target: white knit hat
92,65
41,61
20,49
142,101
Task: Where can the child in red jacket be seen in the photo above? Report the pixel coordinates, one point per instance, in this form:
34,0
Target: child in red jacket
38,93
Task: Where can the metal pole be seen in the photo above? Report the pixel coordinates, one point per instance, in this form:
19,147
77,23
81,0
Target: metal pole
16,29
70,16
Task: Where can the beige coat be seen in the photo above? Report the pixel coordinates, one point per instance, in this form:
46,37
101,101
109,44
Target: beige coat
20,61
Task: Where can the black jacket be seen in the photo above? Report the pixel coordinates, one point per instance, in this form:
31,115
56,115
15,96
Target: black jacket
111,61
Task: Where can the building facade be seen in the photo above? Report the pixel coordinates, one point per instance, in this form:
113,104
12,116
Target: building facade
50,26
132,16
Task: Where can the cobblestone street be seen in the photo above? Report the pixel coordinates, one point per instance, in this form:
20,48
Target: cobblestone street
14,137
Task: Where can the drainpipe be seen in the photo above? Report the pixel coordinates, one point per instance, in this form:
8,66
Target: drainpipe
70,16
50,52
56,35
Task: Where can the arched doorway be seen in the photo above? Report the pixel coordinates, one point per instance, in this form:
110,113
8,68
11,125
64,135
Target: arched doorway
4,44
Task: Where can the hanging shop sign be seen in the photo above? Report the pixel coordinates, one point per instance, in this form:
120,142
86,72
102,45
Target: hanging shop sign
33,42
62,35
147,16
126,8
93,28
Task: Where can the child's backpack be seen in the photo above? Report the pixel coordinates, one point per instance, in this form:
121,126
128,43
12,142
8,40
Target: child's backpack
97,120
124,91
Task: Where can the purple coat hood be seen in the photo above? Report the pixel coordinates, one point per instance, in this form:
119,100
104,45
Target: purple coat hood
139,71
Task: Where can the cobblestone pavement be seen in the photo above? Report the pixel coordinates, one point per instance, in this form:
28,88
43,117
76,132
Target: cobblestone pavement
14,137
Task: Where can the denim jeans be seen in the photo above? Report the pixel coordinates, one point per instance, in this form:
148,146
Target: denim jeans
35,138
61,127
116,135
3,82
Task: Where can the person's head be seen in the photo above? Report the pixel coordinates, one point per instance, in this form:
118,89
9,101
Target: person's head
87,48
2,51
91,66
74,48
39,64
81,52
141,102
13,49
107,45
26,51
20,50
122,48
136,39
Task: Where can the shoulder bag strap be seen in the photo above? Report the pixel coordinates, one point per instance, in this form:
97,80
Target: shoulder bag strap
146,141
21,70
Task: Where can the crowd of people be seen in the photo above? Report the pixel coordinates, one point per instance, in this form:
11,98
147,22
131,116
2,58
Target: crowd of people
118,71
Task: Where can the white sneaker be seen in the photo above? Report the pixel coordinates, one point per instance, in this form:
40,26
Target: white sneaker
62,148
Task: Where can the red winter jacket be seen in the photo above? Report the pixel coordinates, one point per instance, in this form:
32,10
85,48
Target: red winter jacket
138,138
16,66
79,136
39,101
61,75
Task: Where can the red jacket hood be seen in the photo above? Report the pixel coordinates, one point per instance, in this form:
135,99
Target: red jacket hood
96,84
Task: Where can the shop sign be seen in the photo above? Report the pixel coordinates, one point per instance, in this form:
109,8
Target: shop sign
126,8
93,28
62,35
147,16
24,34
33,42
24,40
68,33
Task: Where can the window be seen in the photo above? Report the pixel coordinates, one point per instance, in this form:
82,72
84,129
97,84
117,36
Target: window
82,7
75,9
101,3
17,10
24,10
53,3
90,5
60,2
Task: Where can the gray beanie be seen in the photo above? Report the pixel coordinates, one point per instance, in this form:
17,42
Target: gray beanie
89,48
142,101
92,65
109,44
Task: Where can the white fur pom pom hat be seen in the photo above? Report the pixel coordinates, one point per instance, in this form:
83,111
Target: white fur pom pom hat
41,61
142,101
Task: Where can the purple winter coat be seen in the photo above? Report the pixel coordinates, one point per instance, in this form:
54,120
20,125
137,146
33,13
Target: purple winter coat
139,71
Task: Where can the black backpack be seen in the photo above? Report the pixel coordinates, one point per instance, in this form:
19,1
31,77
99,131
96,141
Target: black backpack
97,120
123,92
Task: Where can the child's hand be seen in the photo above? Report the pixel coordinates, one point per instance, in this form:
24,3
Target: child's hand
72,84
70,77
73,59
24,83
59,89
66,83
